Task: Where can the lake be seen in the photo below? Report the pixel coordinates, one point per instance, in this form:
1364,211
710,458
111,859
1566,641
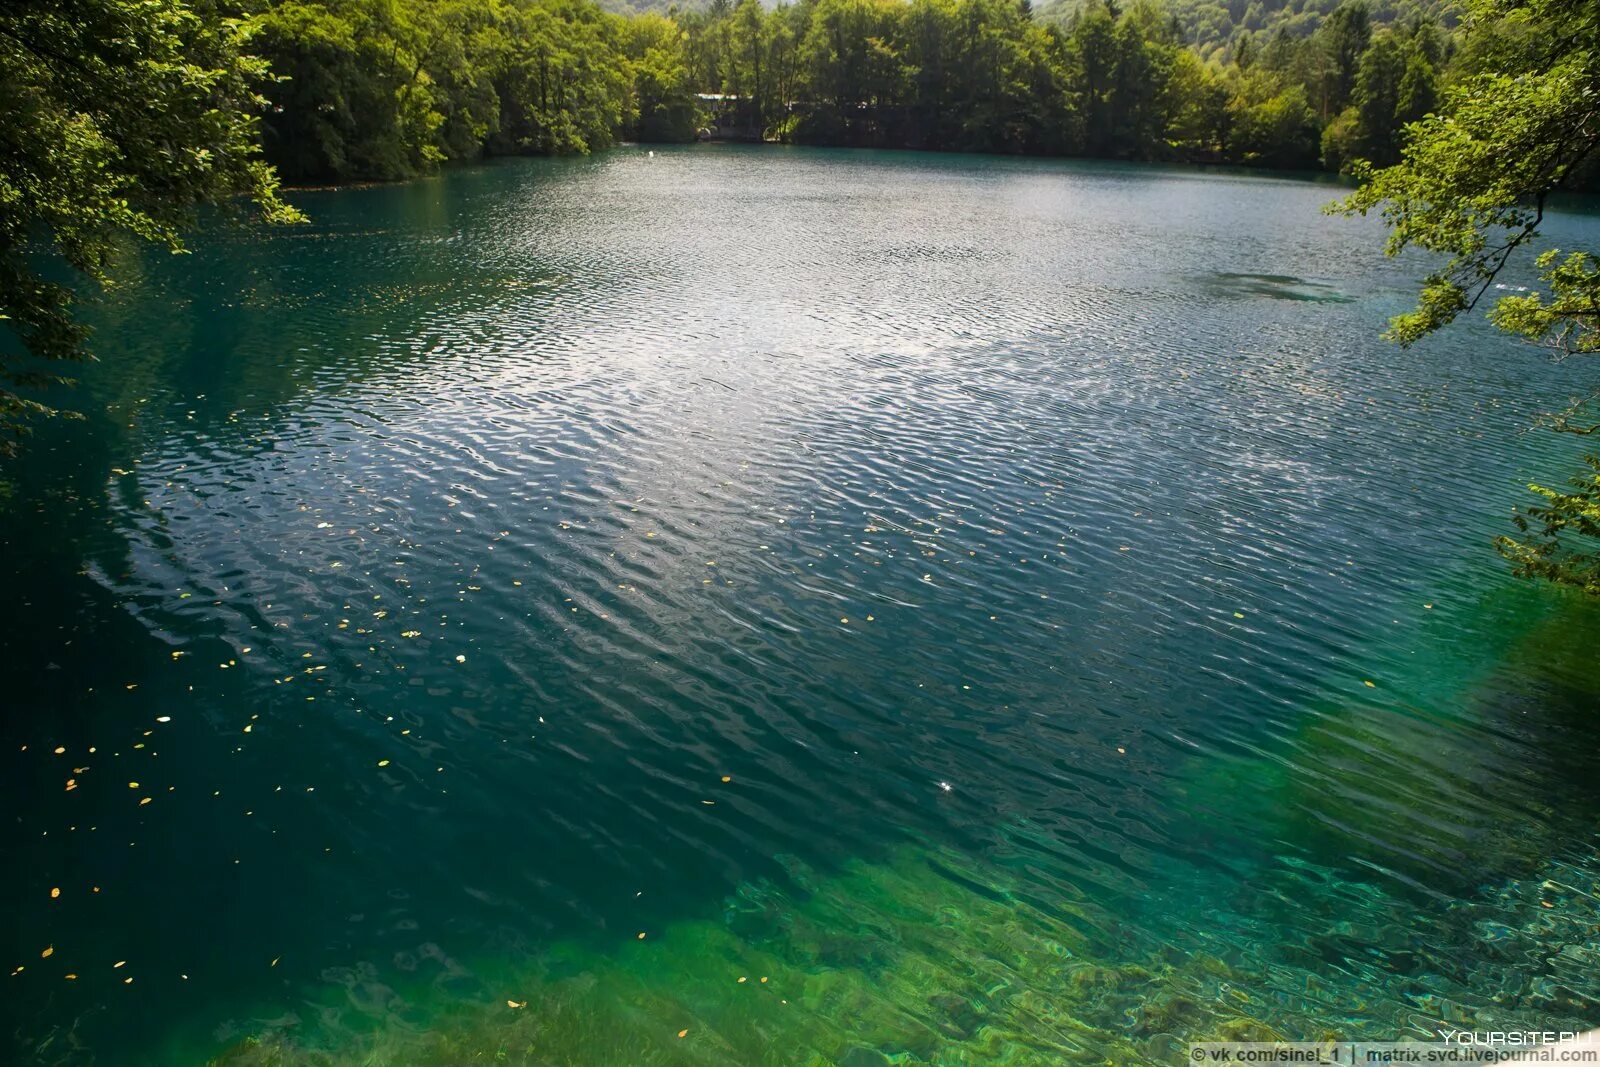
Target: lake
734,606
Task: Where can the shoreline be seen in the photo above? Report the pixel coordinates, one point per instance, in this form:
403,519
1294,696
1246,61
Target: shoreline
1298,176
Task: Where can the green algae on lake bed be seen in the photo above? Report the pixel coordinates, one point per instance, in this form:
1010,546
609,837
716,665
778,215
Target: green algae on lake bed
899,962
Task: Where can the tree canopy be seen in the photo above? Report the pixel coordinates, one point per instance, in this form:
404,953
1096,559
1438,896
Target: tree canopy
117,119
1471,185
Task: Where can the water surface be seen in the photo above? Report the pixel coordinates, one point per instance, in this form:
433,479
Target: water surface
841,607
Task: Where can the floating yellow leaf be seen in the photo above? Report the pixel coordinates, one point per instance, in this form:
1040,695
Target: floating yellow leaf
55,892
47,953
683,1033
516,1003
383,763
1372,684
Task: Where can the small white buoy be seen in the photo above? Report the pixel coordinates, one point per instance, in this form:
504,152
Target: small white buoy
652,153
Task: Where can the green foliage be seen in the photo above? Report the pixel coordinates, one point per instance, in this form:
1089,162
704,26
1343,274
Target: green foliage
1569,319
1473,180
563,81
1107,81
967,75
1396,84
1471,184
1273,122
389,88
117,118
1560,539
1218,29
664,96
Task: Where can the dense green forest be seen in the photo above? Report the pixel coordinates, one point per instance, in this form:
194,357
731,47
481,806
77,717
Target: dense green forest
1214,26
386,88
383,89
1211,25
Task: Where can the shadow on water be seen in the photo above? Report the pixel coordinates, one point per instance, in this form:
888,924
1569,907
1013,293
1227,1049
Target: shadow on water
1277,286
1455,768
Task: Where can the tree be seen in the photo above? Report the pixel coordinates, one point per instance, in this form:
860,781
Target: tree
1336,52
1395,86
388,89
564,84
120,117
1094,51
748,59
1272,123
1419,88
849,67
1376,99
346,100
1471,185
665,98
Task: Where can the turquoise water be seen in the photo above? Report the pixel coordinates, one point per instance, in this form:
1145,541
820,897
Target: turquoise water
1018,609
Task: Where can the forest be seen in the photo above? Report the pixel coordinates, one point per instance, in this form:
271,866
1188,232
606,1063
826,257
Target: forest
379,89
123,117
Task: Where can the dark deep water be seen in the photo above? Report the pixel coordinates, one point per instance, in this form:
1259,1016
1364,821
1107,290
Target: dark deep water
854,608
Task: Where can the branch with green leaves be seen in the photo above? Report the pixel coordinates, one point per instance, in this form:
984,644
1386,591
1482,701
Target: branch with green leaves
121,118
1472,186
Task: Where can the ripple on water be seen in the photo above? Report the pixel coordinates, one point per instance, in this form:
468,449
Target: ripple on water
890,575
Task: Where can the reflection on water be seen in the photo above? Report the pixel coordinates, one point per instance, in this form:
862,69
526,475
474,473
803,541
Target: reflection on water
873,572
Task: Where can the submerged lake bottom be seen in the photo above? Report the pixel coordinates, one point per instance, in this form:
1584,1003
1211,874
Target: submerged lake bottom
760,606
